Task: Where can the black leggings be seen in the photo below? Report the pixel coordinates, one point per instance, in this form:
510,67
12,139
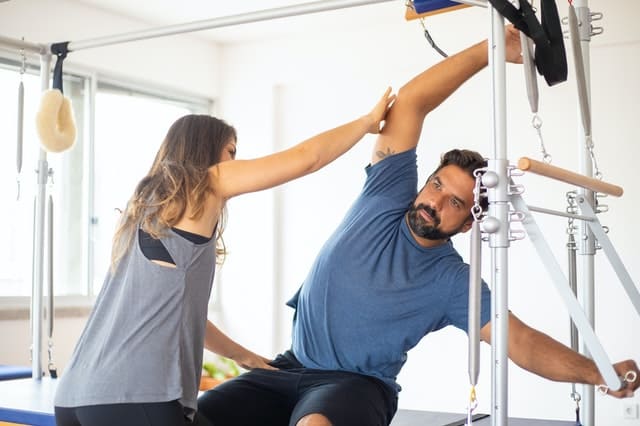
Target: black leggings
136,414
283,397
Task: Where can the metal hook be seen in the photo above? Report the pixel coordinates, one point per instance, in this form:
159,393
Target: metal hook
576,396
473,404
628,378
476,209
517,216
517,234
516,189
536,123
514,171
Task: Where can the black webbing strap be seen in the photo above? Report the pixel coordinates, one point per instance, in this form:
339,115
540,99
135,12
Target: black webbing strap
550,56
552,60
523,19
60,50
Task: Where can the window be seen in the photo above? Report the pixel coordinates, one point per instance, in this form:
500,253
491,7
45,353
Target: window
89,181
19,190
16,215
129,130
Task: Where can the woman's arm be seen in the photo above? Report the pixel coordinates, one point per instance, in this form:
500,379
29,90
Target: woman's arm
231,178
218,342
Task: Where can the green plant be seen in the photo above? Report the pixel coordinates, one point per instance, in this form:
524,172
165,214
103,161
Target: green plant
221,368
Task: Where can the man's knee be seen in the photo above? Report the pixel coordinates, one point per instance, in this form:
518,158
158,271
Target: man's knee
314,420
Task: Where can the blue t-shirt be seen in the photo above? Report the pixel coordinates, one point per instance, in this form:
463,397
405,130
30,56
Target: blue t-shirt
373,292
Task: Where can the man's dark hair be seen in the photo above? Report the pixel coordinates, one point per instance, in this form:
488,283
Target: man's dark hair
468,161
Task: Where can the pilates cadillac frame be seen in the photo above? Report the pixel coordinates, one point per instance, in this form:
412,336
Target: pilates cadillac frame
500,196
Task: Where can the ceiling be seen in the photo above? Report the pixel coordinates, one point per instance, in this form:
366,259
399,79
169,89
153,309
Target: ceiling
158,13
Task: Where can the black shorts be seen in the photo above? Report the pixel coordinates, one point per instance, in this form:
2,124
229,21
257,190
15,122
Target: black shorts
282,397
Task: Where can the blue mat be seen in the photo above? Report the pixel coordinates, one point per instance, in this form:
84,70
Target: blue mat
10,372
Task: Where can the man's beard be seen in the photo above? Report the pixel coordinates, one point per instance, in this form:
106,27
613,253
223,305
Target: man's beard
424,230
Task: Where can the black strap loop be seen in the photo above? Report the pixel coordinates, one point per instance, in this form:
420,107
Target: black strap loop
60,50
551,60
550,55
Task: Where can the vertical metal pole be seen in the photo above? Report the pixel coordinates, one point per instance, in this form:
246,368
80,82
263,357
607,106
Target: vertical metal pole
475,284
278,339
499,209
586,243
37,283
91,88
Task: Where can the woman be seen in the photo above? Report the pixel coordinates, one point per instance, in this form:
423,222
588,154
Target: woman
139,358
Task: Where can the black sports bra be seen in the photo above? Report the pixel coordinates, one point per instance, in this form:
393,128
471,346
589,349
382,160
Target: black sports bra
153,249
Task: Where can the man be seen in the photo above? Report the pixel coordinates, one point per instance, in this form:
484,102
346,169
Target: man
387,277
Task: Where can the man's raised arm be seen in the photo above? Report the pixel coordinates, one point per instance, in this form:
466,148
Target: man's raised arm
429,89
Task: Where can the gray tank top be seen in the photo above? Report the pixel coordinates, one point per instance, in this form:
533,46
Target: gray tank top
144,339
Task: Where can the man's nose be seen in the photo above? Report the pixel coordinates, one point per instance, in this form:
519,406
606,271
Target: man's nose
436,202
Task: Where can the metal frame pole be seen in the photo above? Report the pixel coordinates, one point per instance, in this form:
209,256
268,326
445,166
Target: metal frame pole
499,209
40,204
91,88
224,21
587,245
278,339
13,44
37,307
560,281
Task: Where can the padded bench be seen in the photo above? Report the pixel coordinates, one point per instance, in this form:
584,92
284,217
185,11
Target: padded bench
30,401
10,372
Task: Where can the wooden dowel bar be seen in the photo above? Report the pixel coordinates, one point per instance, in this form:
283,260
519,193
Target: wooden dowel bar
563,175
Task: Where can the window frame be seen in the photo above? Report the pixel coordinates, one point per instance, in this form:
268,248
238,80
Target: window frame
14,307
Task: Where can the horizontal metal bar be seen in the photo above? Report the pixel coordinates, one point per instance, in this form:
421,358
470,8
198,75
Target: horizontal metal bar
224,21
481,3
560,213
14,44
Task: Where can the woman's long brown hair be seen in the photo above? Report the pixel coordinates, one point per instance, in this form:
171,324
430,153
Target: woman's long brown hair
179,177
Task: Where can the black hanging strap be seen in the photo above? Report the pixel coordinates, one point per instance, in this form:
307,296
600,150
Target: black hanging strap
551,61
550,55
523,19
60,50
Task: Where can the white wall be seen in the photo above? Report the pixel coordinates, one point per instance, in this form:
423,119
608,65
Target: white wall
300,85
323,78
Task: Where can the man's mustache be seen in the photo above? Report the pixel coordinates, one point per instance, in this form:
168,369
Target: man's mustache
430,211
